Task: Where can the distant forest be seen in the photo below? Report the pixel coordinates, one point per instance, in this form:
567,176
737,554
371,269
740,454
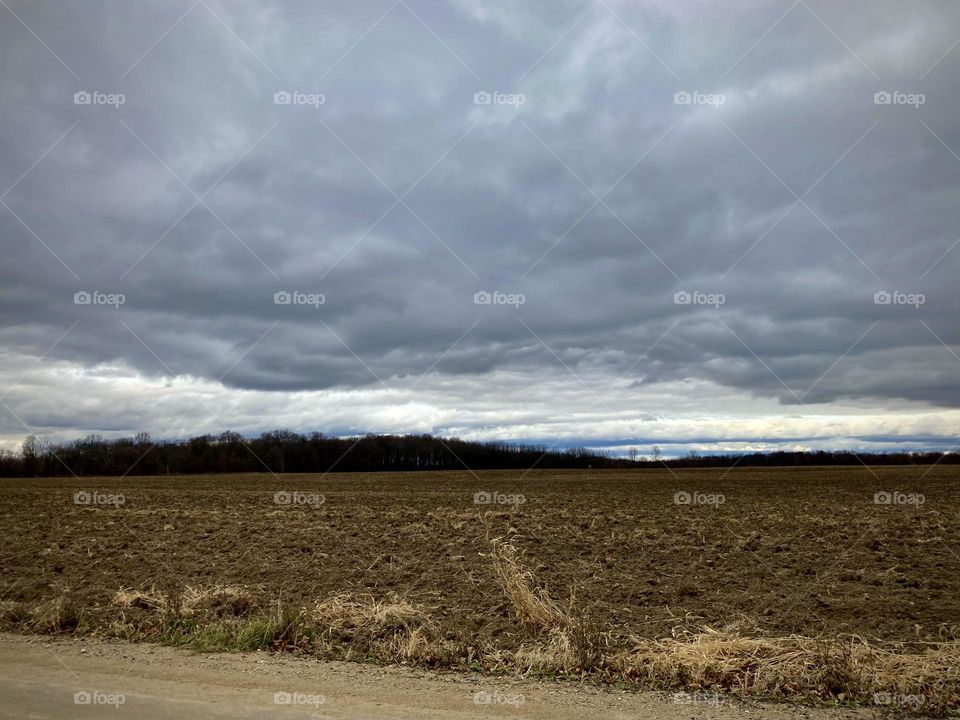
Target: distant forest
283,451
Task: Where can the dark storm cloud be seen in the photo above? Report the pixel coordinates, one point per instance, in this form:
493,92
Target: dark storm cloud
598,198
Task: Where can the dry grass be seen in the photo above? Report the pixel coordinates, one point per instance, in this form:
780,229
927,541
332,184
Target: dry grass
147,600
56,615
12,613
845,669
554,639
391,628
559,640
531,604
217,600
564,650
414,645
734,660
345,611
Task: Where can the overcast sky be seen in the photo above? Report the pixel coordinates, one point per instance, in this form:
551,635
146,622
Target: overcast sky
683,213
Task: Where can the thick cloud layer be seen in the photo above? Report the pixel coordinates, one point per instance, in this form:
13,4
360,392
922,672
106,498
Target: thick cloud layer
731,225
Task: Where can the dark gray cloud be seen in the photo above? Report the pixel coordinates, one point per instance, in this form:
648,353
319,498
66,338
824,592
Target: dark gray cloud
784,196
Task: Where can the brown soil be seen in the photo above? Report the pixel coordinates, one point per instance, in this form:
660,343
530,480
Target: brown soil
802,551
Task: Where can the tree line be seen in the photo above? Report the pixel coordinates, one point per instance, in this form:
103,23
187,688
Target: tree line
284,451
803,458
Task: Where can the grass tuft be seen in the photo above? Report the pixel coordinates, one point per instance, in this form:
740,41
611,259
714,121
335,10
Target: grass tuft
554,640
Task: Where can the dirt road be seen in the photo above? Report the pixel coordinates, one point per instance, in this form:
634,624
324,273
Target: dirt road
52,678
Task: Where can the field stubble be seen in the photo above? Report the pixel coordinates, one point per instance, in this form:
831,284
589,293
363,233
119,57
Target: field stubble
780,582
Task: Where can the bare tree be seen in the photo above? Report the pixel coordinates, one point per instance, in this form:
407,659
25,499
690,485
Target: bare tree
31,450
